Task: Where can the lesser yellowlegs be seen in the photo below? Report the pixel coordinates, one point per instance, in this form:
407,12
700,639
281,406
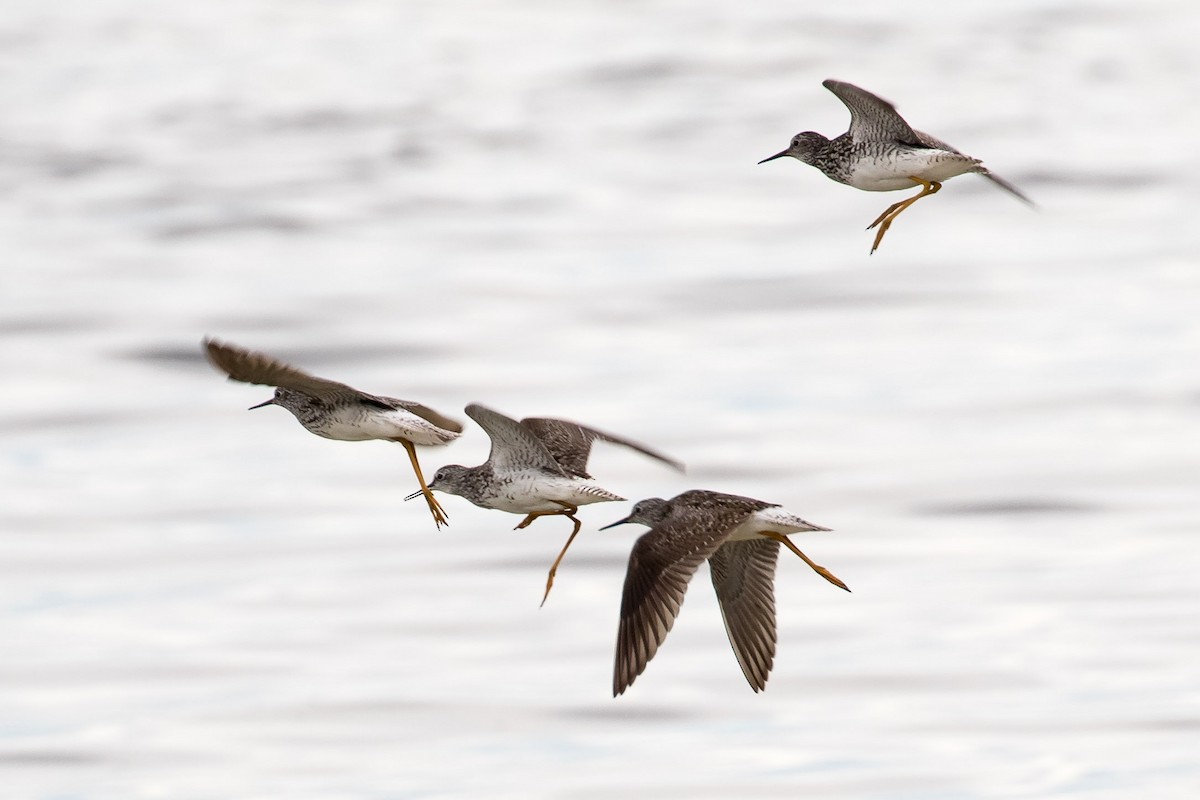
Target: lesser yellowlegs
882,153
336,411
537,467
740,538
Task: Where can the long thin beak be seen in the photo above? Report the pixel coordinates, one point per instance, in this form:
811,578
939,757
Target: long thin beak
270,402
414,495
772,158
615,524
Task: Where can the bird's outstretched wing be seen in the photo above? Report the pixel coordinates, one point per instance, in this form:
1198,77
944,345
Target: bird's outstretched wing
514,447
571,443
661,565
872,118
251,366
743,575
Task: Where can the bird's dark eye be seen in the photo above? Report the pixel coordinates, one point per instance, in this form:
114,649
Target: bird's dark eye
796,142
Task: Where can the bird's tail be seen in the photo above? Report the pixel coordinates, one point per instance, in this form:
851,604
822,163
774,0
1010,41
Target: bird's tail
595,494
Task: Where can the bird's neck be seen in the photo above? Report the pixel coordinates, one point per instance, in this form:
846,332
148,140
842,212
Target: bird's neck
474,482
830,157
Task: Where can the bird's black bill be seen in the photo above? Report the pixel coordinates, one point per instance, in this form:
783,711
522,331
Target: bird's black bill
414,495
615,524
270,402
772,158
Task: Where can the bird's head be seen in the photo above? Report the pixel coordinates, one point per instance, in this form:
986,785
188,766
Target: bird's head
448,479
287,398
804,146
645,512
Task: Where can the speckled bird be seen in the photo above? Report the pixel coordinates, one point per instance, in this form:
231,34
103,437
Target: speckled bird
536,467
740,538
336,411
883,153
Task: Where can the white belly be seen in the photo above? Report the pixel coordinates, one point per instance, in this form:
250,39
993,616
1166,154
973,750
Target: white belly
354,426
893,172
529,491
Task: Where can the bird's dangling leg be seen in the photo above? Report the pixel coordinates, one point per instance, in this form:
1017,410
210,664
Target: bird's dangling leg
563,552
824,573
439,515
895,209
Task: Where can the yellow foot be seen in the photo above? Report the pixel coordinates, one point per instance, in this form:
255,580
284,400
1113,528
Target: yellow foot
440,517
889,215
435,508
829,576
879,236
887,212
525,523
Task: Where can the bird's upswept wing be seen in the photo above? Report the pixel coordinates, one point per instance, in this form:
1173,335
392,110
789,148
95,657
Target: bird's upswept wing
571,443
514,447
871,117
251,366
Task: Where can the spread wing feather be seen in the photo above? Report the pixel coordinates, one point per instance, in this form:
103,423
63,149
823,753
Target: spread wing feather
743,575
571,443
661,565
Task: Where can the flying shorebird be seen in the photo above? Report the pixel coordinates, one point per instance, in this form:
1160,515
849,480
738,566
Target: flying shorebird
537,467
740,538
882,153
336,411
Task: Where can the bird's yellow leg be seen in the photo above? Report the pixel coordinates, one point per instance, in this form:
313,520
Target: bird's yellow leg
563,552
439,515
927,188
895,209
886,213
824,573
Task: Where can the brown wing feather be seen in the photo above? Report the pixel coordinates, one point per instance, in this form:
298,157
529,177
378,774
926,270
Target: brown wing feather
661,565
743,575
871,117
249,366
571,443
514,446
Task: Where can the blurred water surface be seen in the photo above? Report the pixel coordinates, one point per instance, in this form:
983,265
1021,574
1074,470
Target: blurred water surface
555,209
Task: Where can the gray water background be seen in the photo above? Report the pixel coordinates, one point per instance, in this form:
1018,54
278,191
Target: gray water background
554,208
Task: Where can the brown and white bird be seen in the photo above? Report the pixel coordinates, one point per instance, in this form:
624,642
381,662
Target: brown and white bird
337,411
882,153
536,467
740,538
